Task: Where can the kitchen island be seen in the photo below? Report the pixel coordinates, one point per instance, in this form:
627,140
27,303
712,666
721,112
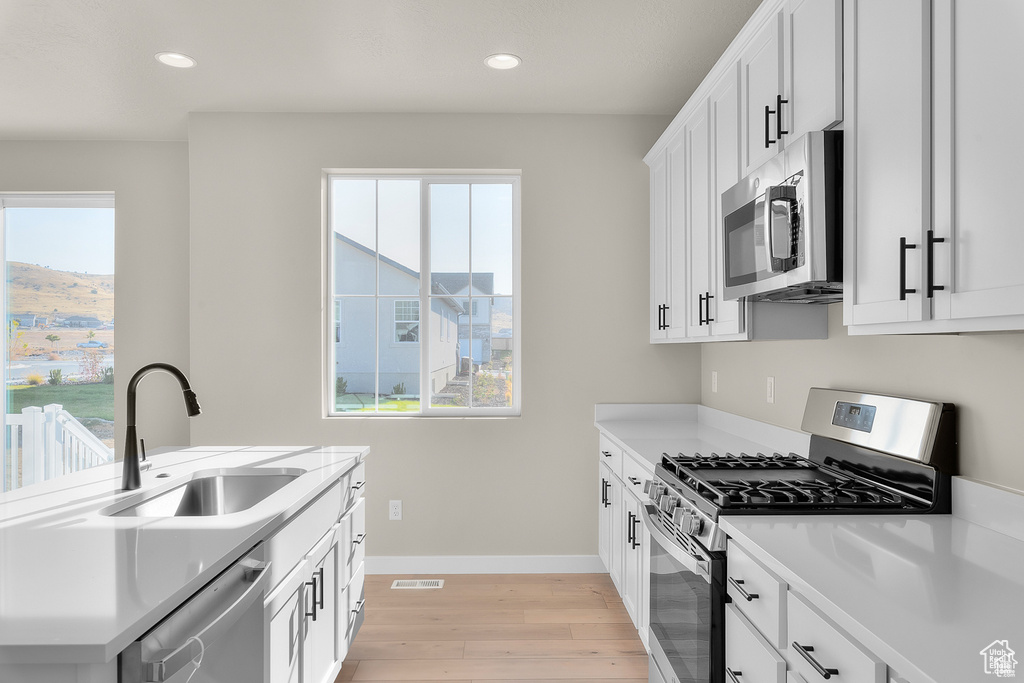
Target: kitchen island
78,584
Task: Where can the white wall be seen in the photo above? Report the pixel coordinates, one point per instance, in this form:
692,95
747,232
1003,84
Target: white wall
983,374
470,486
150,185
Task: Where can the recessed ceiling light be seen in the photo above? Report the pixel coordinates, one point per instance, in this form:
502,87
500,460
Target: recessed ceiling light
175,59
503,61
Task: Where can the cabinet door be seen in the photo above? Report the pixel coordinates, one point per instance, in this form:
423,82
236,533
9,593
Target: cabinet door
631,551
725,134
659,245
978,144
697,220
761,70
676,313
887,159
604,506
322,604
288,639
814,66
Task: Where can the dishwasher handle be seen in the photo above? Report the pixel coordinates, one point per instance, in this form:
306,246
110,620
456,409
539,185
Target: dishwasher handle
164,663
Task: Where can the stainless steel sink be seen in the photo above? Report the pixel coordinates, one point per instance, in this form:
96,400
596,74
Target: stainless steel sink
213,492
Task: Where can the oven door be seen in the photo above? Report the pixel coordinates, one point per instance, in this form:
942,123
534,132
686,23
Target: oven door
687,608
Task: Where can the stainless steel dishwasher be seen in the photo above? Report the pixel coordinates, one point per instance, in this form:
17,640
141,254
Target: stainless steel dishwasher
216,636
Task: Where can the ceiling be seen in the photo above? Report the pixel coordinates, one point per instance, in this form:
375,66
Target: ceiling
85,69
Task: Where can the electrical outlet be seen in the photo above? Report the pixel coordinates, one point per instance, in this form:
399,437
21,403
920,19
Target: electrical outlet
395,510
771,390
714,381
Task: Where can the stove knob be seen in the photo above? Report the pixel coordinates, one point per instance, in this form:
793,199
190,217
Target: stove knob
677,516
695,525
655,491
667,503
648,485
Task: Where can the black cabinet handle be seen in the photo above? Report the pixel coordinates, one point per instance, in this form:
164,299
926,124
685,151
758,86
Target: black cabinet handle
733,675
738,585
605,485
313,584
634,481
779,132
664,316
358,485
903,269
767,136
320,600
358,607
930,255
629,528
606,454
707,306
636,543
804,650
700,310
358,539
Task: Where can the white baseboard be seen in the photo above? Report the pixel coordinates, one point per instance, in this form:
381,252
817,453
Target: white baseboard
485,564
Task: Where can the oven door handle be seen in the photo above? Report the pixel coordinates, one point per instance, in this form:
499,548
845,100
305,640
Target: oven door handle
695,564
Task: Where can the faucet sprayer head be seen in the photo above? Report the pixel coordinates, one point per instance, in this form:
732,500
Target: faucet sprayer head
191,403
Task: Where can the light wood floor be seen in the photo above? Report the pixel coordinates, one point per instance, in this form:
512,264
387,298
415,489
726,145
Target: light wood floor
508,628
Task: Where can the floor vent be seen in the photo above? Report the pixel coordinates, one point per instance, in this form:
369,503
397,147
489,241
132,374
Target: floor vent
419,583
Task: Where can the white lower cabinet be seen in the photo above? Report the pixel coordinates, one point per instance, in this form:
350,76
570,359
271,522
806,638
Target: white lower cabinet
315,609
623,539
768,626
749,658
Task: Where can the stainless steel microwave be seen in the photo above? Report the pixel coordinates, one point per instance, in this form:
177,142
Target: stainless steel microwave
782,226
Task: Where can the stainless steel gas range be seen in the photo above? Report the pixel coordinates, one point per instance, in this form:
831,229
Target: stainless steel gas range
868,454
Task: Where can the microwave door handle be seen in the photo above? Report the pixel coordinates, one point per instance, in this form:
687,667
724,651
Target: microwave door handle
769,246
693,563
169,662
772,195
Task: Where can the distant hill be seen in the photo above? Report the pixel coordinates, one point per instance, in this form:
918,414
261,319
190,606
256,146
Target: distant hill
39,290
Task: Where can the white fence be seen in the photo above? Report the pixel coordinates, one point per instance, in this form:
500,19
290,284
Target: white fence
43,443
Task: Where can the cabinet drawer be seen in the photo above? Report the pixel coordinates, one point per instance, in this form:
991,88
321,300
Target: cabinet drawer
634,474
352,532
748,656
759,594
611,455
356,603
289,545
817,646
353,484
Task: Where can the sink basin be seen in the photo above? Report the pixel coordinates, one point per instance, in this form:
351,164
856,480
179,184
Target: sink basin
213,492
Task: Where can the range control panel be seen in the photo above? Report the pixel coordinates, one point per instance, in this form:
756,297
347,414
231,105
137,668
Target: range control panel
857,416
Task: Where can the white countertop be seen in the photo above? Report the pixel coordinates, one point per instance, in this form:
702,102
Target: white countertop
924,593
77,586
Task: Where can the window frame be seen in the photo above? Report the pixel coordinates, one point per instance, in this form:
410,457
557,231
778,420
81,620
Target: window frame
426,179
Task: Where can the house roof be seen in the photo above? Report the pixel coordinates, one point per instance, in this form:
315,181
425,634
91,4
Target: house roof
456,283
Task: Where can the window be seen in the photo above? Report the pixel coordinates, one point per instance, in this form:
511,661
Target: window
408,253
59,310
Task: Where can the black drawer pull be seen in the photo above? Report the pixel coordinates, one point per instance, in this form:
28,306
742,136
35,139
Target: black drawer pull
634,481
358,539
606,454
738,585
734,676
358,607
358,485
804,650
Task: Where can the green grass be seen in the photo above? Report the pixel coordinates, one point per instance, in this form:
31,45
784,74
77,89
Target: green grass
363,403
81,400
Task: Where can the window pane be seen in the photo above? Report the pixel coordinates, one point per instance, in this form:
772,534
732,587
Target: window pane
449,238
399,356
355,354
492,238
354,225
398,206
60,342
448,386
492,384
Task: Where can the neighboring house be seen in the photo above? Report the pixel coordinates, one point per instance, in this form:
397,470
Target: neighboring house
398,325
24,320
475,334
82,321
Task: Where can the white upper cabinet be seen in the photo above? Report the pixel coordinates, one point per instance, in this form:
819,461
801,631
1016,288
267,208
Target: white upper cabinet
813,66
932,235
761,70
979,95
659,245
886,140
696,219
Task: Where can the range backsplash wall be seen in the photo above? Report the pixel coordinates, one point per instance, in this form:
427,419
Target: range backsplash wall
470,486
983,374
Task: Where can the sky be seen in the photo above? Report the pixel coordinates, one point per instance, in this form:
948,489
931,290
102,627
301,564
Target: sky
75,240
